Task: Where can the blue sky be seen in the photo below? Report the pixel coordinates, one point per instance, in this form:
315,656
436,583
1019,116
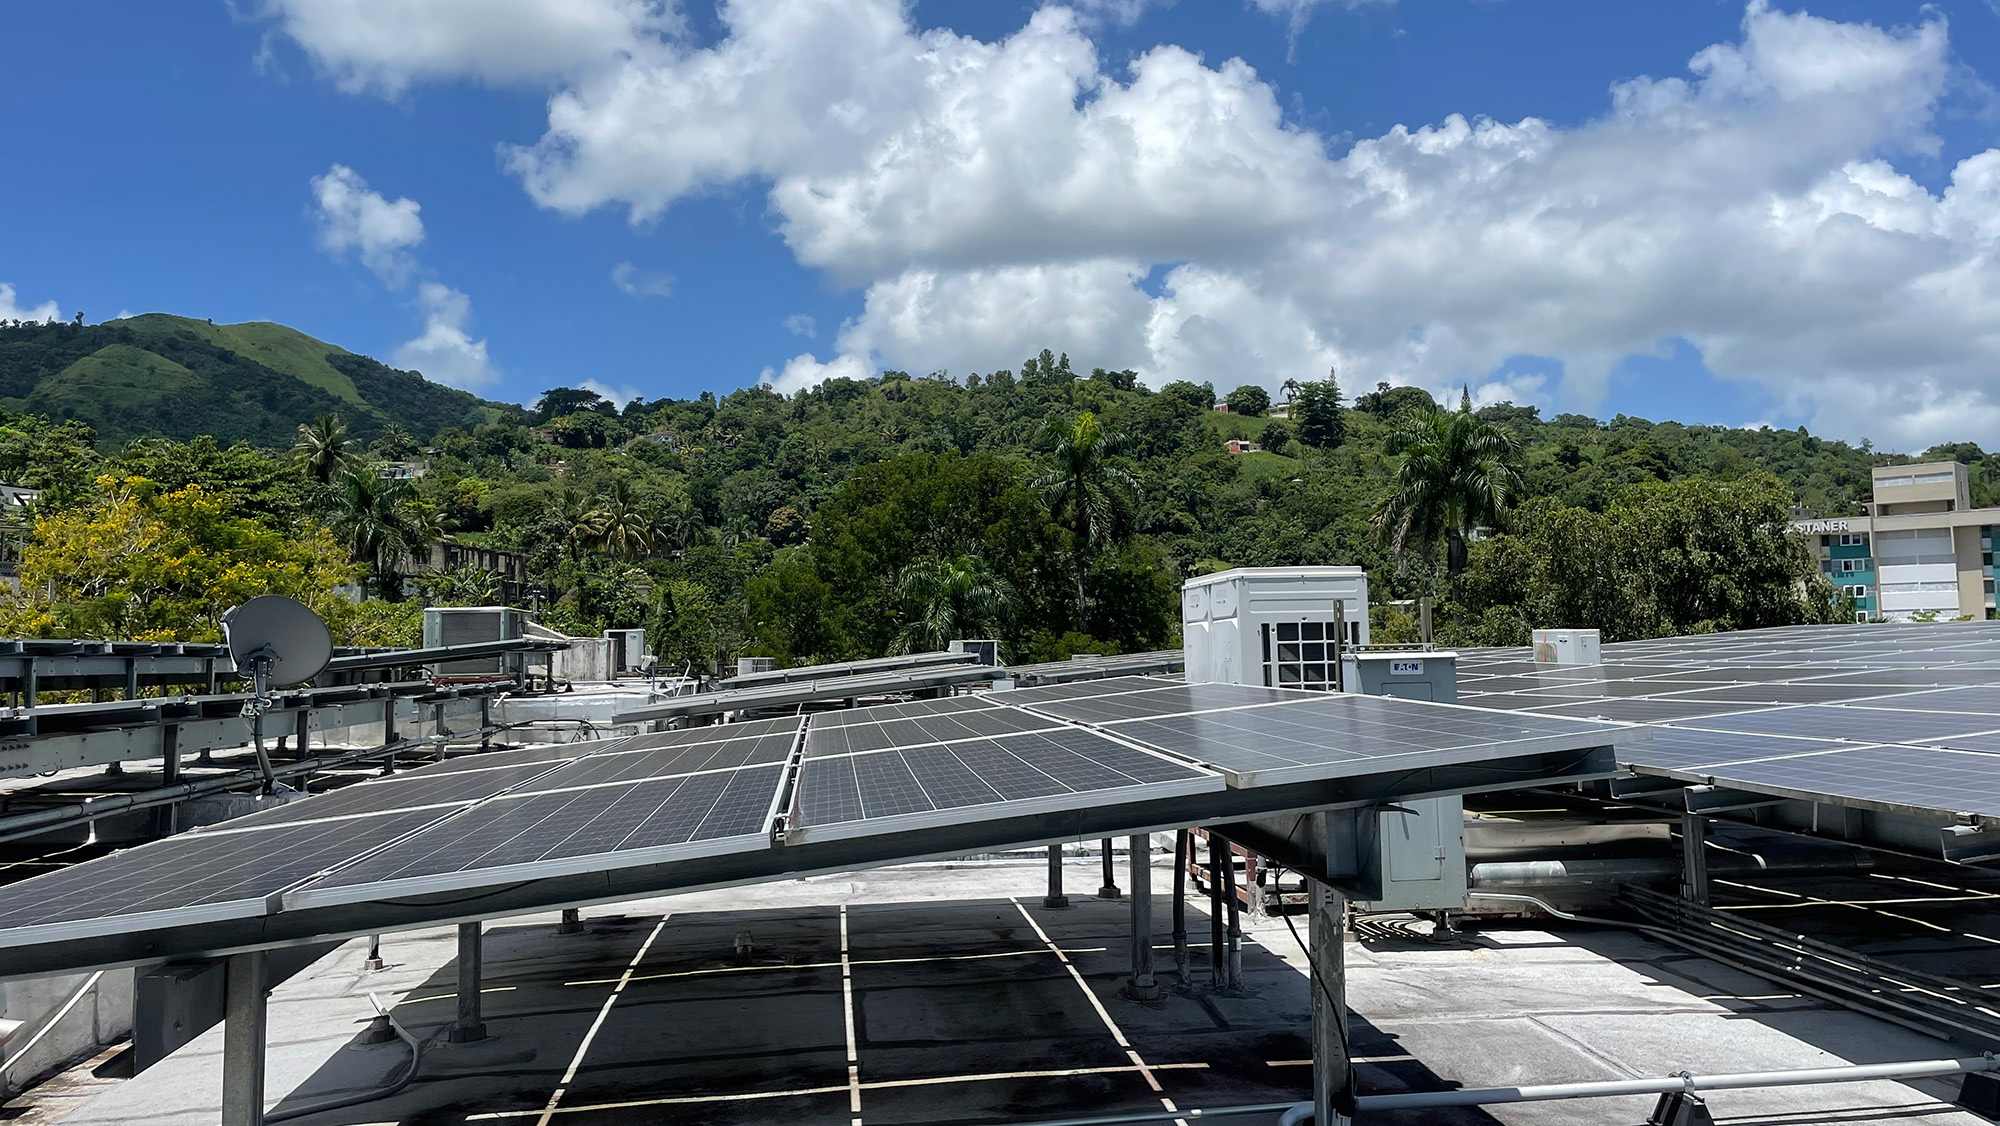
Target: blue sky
165,158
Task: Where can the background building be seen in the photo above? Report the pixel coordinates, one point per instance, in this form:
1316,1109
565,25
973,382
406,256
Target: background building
1922,550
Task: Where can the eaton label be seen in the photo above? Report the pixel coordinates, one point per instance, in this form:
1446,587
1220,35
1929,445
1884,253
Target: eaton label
1404,667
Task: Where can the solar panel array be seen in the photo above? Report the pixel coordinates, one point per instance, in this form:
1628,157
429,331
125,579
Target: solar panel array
508,817
1895,715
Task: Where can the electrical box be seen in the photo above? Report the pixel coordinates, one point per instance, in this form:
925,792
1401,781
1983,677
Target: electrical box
1279,626
1567,647
1409,856
1409,676
468,625
986,649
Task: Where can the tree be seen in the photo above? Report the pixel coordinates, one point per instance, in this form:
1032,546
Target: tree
1201,396
947,599
144,563
323,448
1086,494
462,584
1316,411
1277,437
370,514
1457,474
620,523
559,401
1249,400
1388,402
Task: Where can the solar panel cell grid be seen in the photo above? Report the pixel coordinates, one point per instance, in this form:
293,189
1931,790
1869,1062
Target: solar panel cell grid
196,869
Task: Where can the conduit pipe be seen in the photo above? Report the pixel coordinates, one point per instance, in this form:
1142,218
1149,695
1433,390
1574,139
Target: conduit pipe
1492,1096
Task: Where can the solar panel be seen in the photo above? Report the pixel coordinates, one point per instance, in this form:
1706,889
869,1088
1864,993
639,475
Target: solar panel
1164,700
1856,725
852,738
947,705
1334,735
1009,775
1681,748
603,827
1920,777
195,877
1640,711
1082,689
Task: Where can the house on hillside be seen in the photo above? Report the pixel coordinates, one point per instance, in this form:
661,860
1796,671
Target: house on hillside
1241,446
510,567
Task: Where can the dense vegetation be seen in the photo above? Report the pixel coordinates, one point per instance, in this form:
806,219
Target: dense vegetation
165,376
1055,510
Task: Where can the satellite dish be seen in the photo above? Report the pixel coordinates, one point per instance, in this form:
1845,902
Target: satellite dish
281,635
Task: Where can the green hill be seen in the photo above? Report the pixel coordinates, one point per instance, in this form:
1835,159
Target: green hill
176,377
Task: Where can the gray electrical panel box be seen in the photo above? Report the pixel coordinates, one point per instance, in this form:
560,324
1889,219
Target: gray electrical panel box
1412,675
1409,856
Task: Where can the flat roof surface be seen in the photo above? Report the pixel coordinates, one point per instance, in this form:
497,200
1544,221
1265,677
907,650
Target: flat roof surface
1886,715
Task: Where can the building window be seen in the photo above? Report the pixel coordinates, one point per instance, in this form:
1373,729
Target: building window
1861,615
1302,655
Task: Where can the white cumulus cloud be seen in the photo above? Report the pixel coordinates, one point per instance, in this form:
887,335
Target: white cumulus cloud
11,310
993,197
385,45
354,217
802,324
445,352
635,282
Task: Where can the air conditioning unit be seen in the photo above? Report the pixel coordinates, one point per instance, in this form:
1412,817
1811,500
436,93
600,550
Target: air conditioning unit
1568,647
469,625
628,650
1279,626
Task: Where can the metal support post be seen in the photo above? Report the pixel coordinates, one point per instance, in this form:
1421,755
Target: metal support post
1142,987
30,692
167,821
1055,898
208,673
131,678
389,733
469,1027
442,732
1233,979
1333,1069
572,922
1110,888
485,723
374,961
245,988
303,731
1215,966
1181,849
1694,858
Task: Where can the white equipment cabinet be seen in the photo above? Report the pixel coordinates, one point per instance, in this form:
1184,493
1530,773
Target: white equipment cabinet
1273,625
1567,646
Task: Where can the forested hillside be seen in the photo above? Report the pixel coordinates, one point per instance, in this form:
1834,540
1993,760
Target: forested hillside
164,376
1056,510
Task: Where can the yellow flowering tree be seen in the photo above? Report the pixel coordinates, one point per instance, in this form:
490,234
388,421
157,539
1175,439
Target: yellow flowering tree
149,564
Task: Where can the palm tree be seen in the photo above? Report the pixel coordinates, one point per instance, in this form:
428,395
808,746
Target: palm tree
372,519
1086,494
623,528
323,448
951,598
1291,389
1457,474
577,517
